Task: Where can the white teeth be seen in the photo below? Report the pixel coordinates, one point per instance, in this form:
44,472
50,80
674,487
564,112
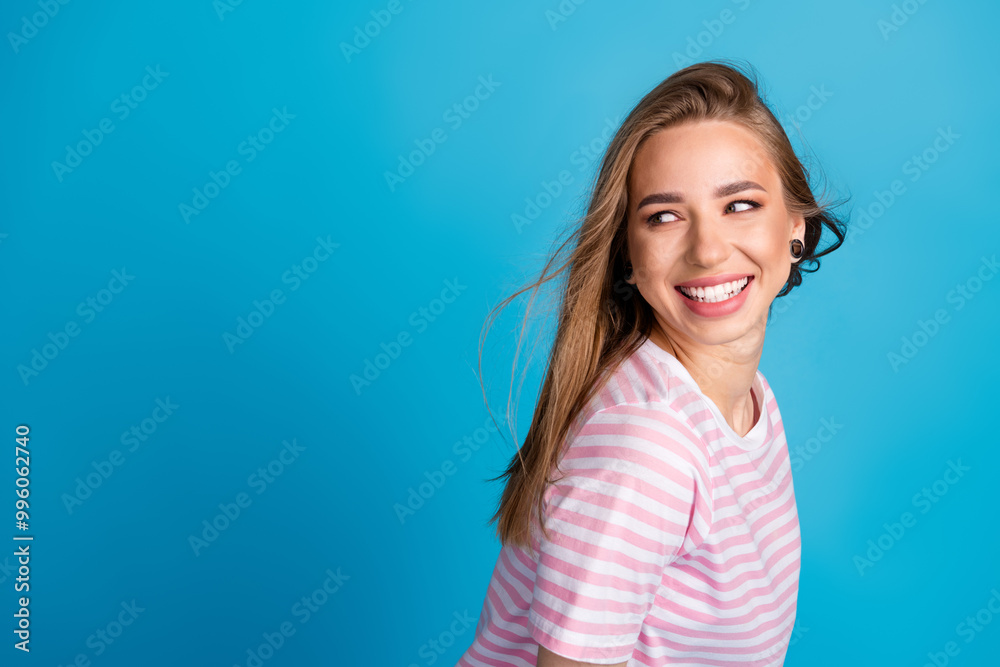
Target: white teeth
716,293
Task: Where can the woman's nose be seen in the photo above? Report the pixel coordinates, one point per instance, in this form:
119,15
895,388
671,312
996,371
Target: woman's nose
707,242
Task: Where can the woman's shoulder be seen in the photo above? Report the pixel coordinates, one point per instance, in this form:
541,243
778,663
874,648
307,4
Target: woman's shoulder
636,413
645,377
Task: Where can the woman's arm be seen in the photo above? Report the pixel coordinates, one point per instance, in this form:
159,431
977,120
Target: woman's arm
547,658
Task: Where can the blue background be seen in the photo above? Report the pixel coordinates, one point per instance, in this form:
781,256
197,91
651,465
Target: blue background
404,577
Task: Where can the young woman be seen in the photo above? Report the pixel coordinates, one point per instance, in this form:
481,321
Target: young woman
649,518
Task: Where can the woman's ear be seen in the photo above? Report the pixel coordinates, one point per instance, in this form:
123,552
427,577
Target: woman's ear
799,232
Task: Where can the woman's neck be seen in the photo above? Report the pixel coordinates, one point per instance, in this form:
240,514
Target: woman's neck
724,373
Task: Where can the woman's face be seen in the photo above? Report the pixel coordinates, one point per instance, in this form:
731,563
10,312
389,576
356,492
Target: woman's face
705,207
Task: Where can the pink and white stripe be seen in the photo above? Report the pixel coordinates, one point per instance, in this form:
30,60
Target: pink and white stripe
672,540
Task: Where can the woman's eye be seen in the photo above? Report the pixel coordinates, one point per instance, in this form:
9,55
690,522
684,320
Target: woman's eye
738,206
747,203
656,218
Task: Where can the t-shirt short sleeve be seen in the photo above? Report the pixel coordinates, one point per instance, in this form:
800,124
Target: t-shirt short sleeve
617,516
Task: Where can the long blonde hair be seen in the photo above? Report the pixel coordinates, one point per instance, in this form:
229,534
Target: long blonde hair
602,318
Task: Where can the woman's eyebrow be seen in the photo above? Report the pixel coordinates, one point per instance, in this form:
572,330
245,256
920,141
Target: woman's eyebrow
738,186
722,191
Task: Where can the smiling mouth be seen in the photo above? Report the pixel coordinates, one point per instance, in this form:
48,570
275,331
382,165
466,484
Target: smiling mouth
716,293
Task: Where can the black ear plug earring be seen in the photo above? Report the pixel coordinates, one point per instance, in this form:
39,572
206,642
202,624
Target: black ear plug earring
796,248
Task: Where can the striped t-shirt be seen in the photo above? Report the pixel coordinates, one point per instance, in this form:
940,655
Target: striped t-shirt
672,540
